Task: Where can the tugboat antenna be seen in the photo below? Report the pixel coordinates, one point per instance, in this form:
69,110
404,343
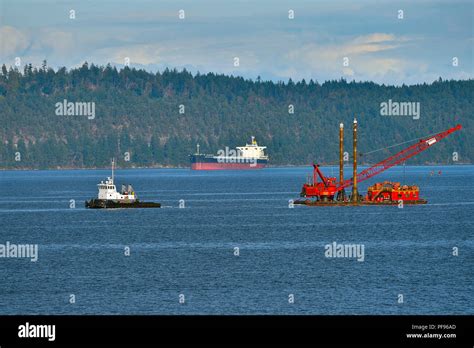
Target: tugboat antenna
113,163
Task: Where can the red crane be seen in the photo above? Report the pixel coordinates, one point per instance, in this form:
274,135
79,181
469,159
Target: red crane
327,189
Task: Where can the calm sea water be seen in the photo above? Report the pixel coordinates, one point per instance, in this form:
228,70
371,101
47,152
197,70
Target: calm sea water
190,251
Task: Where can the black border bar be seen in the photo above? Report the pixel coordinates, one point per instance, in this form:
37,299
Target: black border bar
255,329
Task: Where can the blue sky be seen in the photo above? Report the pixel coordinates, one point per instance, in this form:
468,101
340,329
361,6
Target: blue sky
379,46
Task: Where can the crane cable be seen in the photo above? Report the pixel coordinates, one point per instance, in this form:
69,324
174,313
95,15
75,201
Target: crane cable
388,147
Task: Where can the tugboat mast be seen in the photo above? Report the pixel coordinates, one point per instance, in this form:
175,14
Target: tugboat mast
113,163
109,197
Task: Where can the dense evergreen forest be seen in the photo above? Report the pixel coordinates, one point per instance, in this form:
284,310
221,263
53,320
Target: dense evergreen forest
158,118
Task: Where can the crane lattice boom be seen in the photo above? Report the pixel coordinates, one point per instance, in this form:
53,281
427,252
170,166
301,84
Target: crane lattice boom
399,157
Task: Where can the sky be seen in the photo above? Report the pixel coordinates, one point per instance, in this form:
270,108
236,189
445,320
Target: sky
362,40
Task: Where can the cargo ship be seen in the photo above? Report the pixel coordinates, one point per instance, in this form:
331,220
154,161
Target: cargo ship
108,196
250,156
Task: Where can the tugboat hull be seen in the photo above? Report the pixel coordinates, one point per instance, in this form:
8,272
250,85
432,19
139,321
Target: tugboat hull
108,204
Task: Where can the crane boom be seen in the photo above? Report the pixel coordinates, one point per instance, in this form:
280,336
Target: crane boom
399,157
323,178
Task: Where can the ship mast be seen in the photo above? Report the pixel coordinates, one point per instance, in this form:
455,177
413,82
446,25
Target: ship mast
113,163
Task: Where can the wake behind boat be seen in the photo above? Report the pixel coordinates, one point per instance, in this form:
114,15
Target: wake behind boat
108,197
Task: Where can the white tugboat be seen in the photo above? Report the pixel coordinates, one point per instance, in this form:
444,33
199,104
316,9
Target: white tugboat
108,196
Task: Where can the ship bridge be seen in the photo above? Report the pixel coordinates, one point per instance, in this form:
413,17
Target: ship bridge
252,150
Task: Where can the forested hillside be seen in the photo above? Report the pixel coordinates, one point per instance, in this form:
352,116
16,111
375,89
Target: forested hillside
138,112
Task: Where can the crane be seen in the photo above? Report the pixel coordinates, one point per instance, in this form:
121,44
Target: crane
327,189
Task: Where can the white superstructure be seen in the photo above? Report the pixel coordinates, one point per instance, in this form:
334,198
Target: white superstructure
108,191
252,150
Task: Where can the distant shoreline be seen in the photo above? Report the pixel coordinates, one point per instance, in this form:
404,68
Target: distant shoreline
187,167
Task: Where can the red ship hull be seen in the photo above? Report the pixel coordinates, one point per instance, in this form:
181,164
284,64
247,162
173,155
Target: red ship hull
225,166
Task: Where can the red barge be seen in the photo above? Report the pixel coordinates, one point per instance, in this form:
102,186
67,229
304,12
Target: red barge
331,192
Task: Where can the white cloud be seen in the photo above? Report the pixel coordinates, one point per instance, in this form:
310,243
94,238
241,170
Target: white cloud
144,54
364,54
35,46
12,42
375,38
60,43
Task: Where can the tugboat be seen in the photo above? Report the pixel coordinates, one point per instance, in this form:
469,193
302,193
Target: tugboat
108,196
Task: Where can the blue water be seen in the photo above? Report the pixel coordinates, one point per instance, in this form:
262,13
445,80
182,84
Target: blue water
190,251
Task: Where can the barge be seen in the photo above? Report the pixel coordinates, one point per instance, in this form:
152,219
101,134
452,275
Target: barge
331,192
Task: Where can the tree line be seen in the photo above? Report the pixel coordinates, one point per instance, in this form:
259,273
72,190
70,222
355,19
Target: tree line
157,119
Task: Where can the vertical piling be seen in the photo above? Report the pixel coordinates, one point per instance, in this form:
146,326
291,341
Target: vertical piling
355,194
341,153
341,194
